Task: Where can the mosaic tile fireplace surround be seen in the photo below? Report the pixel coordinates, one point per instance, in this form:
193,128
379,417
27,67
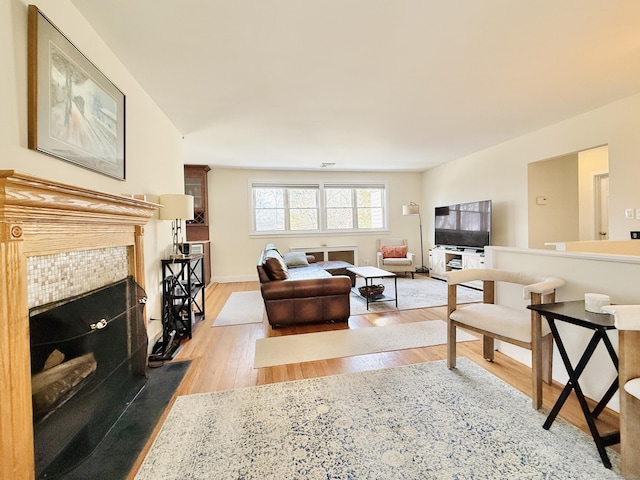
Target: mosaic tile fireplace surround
51,278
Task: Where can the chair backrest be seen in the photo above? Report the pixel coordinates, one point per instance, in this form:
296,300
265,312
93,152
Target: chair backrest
626,317
390,242
533,282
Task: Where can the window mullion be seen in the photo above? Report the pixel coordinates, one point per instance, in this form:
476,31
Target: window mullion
354,208
322,210
287,212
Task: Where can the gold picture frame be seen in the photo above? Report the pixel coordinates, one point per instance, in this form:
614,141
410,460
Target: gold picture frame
75,112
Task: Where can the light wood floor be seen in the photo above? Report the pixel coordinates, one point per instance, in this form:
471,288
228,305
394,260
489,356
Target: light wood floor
222,357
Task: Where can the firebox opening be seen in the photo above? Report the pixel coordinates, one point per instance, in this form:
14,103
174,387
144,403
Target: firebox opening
88,361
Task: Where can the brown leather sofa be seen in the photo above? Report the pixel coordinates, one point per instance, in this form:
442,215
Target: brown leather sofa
302,294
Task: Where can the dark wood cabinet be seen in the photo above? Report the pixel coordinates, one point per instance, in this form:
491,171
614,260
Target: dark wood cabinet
195,183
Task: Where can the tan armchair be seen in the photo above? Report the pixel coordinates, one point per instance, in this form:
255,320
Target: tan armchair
393,256
518,326
627,321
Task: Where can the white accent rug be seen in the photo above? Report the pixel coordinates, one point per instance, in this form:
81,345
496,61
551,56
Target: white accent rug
307,347
414,422
419,292
241,308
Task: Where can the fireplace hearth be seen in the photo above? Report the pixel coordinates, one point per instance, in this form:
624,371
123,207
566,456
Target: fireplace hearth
88,362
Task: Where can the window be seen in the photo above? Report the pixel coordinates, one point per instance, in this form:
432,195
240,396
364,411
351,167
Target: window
318,208
351,207
280,209
303,209
268,209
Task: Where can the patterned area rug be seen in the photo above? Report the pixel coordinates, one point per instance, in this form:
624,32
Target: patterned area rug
414,422
418,292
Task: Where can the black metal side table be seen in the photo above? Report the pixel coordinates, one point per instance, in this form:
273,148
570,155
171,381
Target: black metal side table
575,313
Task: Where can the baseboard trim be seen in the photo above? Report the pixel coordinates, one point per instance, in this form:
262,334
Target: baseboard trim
234,279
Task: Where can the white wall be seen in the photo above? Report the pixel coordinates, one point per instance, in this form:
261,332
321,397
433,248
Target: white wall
500,172
153,145
556,218
234,252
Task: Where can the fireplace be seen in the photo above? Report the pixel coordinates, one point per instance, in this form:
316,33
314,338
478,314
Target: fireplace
88,357
39,218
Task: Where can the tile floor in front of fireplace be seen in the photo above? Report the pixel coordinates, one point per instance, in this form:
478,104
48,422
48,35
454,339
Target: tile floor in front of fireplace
117,453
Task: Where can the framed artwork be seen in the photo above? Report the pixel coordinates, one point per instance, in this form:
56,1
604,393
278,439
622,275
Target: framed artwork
75,112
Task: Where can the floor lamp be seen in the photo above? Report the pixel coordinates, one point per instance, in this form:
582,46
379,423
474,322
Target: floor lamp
414,209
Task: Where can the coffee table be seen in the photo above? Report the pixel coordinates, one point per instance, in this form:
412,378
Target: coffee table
369,273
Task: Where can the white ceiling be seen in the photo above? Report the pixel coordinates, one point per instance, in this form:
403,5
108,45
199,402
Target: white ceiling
369,84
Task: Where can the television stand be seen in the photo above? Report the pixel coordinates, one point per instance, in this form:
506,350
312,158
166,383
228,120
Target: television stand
443,260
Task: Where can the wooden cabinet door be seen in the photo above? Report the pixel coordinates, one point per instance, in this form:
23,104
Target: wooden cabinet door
472,261
437,263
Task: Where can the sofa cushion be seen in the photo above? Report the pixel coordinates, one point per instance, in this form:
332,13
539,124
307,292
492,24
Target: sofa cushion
397,262
306,288
310,271
295,259
499,319
389,251
275,266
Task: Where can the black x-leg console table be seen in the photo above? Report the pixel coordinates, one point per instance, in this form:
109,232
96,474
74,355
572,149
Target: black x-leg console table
574,313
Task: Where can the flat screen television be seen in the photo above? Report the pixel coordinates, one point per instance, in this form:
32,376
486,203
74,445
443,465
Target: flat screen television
463,225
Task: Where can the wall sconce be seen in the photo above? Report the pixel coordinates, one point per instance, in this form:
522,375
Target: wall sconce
414,209
176,207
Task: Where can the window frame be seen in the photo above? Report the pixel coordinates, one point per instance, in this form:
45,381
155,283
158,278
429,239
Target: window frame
321,207
355,207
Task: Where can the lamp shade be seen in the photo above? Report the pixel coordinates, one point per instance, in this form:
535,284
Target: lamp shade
176,207
411,209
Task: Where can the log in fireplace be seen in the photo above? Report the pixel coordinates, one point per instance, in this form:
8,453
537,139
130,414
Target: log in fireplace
88,357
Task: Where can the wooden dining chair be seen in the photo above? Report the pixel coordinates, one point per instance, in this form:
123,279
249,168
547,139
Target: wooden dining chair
518,326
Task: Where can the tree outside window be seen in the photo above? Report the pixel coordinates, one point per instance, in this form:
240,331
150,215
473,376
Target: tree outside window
354,208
